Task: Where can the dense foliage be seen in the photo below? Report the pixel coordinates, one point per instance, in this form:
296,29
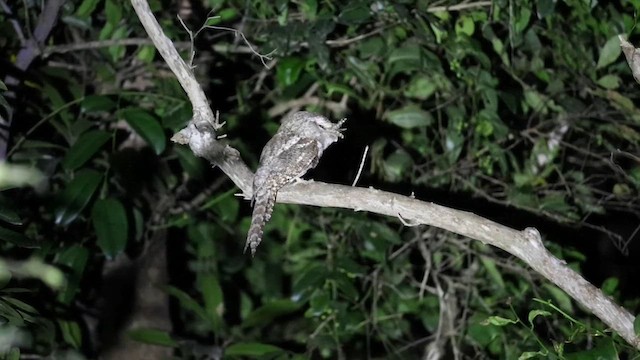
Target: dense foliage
520,111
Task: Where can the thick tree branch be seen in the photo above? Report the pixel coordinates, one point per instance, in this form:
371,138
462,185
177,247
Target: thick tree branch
202,113
526,245
632,55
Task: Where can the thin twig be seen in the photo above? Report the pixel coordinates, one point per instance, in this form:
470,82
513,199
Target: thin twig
459,7
364,157
192,51
90,45
345,42
193,35
263,75
98,44
263,57
281,108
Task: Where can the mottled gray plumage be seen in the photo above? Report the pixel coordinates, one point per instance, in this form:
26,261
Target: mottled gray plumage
291,152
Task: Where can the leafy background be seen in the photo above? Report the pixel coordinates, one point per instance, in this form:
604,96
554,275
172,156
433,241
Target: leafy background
523,112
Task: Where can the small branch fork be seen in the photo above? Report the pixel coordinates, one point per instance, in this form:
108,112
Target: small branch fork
526,244
263,58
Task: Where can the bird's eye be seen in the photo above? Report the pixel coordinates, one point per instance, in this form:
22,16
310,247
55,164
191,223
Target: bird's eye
323,124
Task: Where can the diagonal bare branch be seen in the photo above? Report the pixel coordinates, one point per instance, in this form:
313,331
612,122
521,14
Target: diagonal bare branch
526,244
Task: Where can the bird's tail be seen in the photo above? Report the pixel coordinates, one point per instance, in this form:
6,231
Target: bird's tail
264,200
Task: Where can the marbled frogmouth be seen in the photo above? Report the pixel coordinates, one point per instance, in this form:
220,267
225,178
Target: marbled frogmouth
292,151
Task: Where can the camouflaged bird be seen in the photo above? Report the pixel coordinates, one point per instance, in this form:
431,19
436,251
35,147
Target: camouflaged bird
294,149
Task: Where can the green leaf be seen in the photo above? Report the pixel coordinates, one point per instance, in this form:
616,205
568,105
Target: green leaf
484,127
373,46
609,82
13,175
345,285
378,237
498,321
265,314
405,59
7,214
395,166
309,8
107,31
636,325
27,312
187,302
610,285
604,349
71,333
522,20
110,222
207,282
113,11
410,116
226,206
545,8
11,315
146,54
350,267
379,230
439,31
531,355
289,70
192,165
620,101
147,127
13,354
494,274
17,239
84,148
465,25
211,291
480,333
74,259
178,116
251,349
535,313
356,12
222,16
86,8
21,305
5,273
97,103
32,268
609,52
421,87
311,277
534,99
153,337
228,14
117,52
319,303
560,297
76,196
556,202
